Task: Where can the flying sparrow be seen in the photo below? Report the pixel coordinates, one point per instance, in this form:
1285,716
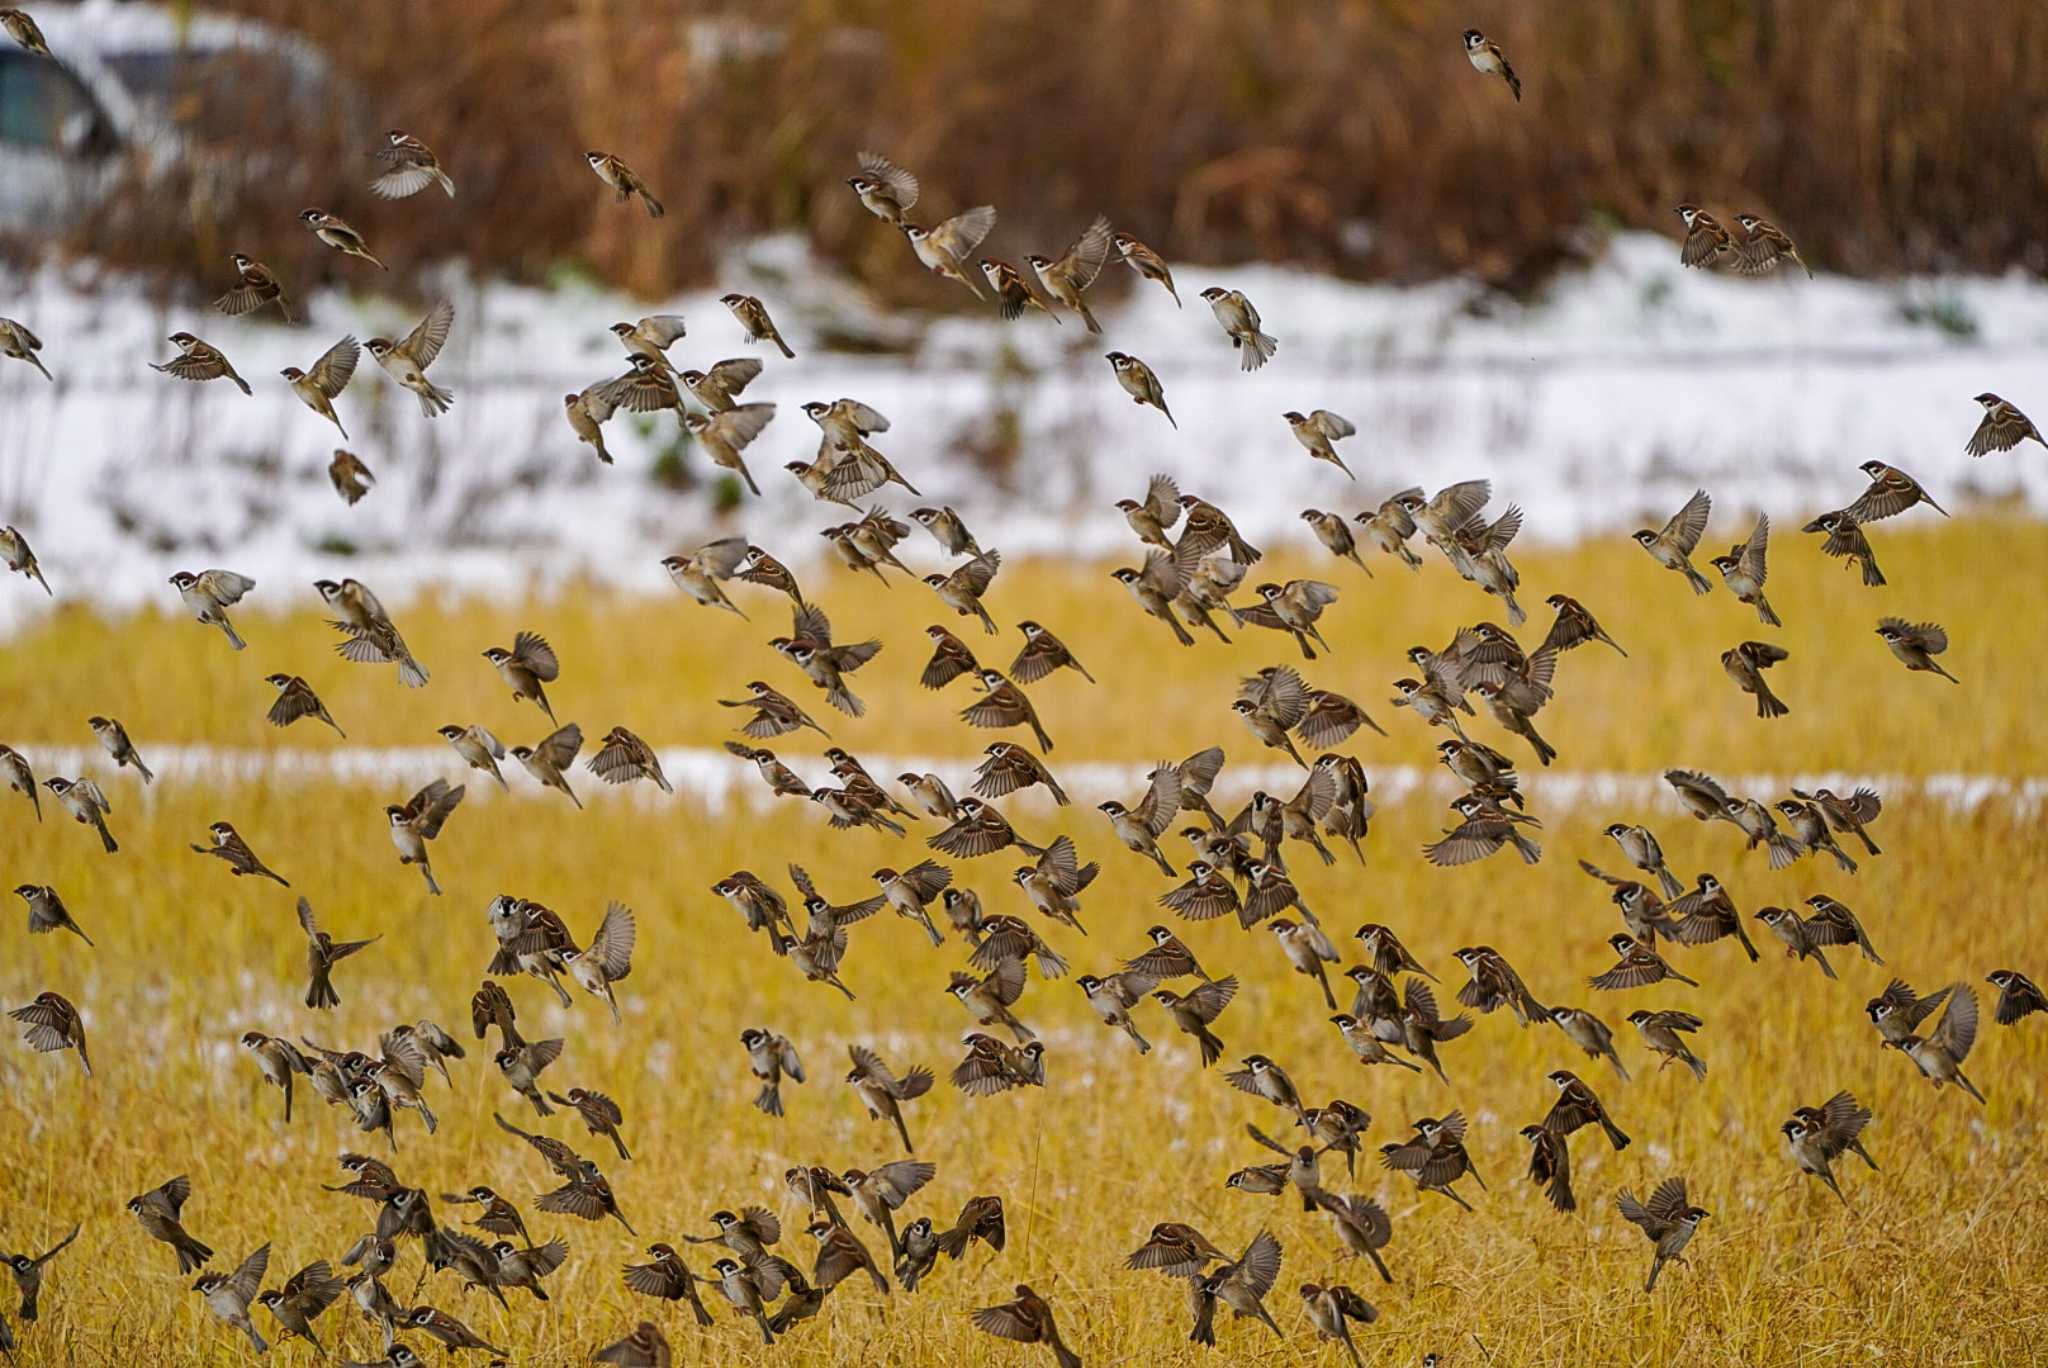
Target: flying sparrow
420,820
229,1296
255,286
413,167
1664,1033
407,361
753,318
157,1212
1318,433
82,798
885,189
623,180
18,342
323,952
1029,1320
46,911
114,738
209,594
338,235
1763,246
20,557
1916,644
349,476
1076,269
1892,491
1940,1055
1672,547
1142,385
199,361
53,1024
1147,263
1745,665
945,250
2003,427
228,846
320,387
1487,59
1669,1220
623,757
1577,1105
1743,571
1706,241
28,1273
23,30
2018,995
1240,322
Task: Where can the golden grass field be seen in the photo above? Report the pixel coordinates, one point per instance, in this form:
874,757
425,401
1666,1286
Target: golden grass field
1938,1261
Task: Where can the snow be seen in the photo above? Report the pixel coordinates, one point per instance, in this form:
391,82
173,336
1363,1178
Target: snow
1596,408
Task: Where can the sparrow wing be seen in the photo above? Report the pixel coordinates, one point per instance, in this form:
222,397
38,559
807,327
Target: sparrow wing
1162,500
532,650
664,329
762,1223
810,624
900,183
861,417
977,574
341,950
1083,261
1201,900
1208,1001
741,425
1161,803
1259,1269
654,1280
1009,1321
548,1257
408,177
1286,694
1957,1032
960,235
1406,1158
306,922
1636,1213
1669,1201
1842,1120
1472,841
248,1279
1699,785
1633,972
542,1053
612,946
1689,523
426,341
637,391
560,747
1751,559
1331,425
336,366
224,587
578,1199
198,364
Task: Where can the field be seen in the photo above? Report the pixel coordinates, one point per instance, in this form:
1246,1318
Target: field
1936,1261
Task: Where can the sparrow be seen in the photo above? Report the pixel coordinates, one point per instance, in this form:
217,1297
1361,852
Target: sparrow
608,958
420,820
209,594
1293,607
809,647
667,1278
1013,296
229,1296
718,388
725,435
46,911
1495,984
1816,1136
911,892
1574,626
878,1192
82,798
300,1301
988,1000
1577,1105
588,410
1916,644
770,1057
1388,956
18,342
2018,995
114,738
199,361
1240,322
1478,836
1029,1320
623,757
323,952
1940,1055
587,1196
277,1059
758,567
338,235
962,590
841,1255
1147,263
1746,663
1636,966
1056,881
1743,571
157,1212
1113,997
945,250
28,1273
1706,241
1487,59
1672,547
758,326
1041,654
373,639
1832,923
1261,1077
53,1024
1763,246
1143,386
1669,1220
407,361
23,30
1335,535
882,1093
1661,1031
885,189
20,557
526,667
992,1067
349,476
1176,1250
229,847
450,1332
1550,1166
1141,827
1892,491
1272,709
2003,427
1640,848
1318,432
1307,949
947,529
623,180
1808,826
1161,580
1363,1227
1848,815
1388,528
522,1065
255,286
526,1267
1193,1011
531,940
413,167
1707,914
1008,768
20,777
1590,1034
322,385
1436,1157
1152,519
774,713
1076,269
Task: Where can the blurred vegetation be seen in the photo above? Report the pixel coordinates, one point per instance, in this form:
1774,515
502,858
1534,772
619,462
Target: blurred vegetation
1885,135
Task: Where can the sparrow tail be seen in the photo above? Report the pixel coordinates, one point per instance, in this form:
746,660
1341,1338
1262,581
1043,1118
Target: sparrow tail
106,838
234,638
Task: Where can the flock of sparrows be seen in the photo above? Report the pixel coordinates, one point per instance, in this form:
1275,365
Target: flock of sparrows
1237,864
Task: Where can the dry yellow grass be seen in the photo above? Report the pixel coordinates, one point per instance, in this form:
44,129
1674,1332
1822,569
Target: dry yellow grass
1937,1262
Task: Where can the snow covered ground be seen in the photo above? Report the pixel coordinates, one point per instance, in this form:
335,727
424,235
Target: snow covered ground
1598,407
